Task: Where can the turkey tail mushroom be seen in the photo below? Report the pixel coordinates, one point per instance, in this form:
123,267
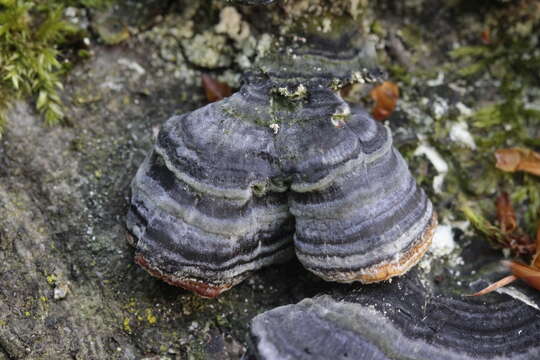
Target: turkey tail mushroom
364,219
402,320
198,208
227,186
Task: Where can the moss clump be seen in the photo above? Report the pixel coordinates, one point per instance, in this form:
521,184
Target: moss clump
508,55
91,4
480,223
29,65
150,317
33,52
51,279
126,326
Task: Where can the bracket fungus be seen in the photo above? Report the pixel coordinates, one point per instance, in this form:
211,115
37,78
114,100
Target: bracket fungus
406,319
283,166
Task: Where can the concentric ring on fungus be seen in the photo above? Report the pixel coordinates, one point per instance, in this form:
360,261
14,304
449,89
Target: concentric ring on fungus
421,315
282,167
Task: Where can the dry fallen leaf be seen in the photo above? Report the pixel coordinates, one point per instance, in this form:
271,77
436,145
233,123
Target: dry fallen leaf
215,90
345,91
385,96
518,159
521,244
536,259
512,237
505,213
529,274
486,37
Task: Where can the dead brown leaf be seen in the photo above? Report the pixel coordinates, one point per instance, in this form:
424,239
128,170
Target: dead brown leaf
536,259
505,213
529,274
512,236
385,96
215,90
345,91
486,37
520,244
518,159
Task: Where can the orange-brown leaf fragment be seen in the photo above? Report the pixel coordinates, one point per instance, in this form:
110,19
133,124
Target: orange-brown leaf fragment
497,284
385,96
345,91
215,90
505,213
536,259
538,239
526,273
486,37
518,159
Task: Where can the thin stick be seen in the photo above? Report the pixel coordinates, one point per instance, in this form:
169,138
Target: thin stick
498,284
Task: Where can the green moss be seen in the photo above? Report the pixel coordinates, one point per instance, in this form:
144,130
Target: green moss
90,4
150,317
399,73
126,326
507,58
480,223
528,194
51,279
28,55
33,36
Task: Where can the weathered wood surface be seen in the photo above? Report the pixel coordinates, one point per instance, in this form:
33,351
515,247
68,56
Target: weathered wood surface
64,190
